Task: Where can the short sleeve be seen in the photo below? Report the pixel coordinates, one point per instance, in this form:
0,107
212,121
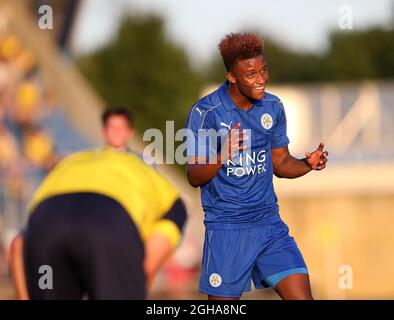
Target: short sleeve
197,133
279,136
164,194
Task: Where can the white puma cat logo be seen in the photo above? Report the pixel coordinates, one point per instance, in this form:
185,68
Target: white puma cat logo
199,111
228,126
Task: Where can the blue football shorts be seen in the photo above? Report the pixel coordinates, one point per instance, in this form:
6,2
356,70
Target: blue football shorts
264,253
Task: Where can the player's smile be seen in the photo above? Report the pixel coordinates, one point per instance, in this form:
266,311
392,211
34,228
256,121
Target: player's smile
260,90
253,91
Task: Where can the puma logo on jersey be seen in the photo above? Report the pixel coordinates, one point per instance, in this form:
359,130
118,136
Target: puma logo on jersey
199,111
228,126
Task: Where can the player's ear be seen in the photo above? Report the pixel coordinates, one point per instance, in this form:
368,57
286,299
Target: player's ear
231,77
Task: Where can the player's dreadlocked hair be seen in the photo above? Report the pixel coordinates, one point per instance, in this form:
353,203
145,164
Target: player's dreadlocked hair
240,46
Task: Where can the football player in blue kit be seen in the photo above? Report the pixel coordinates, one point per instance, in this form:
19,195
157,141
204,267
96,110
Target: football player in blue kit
245,237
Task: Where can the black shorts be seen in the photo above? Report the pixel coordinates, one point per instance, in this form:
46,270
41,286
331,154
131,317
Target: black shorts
91,245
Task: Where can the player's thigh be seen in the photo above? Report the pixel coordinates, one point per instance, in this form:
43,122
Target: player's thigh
295,287
281,259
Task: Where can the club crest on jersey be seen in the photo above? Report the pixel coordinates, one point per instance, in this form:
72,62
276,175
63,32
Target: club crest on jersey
215,280
266,121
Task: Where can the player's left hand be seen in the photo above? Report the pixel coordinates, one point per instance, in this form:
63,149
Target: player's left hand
318,158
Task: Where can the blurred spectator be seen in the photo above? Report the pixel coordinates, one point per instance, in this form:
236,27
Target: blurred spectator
38,148
8,149
5,83
9,46
27,100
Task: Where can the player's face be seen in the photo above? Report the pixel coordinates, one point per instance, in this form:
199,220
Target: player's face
251,76
117,131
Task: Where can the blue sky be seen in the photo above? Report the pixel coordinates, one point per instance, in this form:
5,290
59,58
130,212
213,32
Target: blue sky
199,25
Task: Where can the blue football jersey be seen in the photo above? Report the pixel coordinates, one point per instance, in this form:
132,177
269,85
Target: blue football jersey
242,192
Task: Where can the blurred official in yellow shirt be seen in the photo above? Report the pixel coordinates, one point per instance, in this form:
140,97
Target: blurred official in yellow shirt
103,220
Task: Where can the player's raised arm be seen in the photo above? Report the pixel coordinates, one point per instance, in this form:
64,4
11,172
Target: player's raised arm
287,166
164,239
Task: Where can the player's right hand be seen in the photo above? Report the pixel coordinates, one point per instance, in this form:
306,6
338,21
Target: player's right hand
233,143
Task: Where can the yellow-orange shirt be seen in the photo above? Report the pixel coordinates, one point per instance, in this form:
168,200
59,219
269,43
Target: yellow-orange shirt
123,176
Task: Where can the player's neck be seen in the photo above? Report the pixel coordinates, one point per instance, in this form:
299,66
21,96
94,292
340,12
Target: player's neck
240,100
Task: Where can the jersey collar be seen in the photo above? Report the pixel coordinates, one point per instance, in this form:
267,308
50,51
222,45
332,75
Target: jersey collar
225,97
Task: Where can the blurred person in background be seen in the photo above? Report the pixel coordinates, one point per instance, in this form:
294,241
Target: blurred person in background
118,131
8,147
245,237
24,112
8,160
5,84
9,47
38,148
117,128
39,156
103,220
